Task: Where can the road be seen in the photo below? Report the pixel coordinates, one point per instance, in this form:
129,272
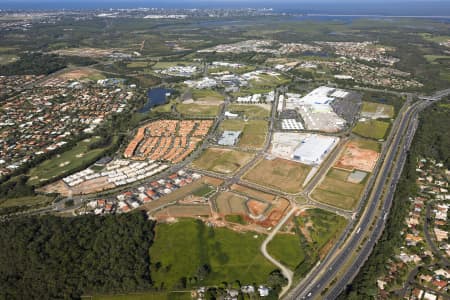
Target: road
285,271
321,276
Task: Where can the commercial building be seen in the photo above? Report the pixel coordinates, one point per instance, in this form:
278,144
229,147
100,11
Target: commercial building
229,138
314,148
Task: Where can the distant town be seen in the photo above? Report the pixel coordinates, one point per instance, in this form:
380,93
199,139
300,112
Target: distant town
223,154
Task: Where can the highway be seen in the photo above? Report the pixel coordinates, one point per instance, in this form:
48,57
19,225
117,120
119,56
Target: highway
320,277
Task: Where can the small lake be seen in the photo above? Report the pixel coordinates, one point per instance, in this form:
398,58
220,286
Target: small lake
156,96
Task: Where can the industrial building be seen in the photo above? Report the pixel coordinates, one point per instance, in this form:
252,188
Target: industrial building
229,138
316,110
313,149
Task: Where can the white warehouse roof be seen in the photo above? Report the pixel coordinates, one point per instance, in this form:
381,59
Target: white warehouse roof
319,96
314,148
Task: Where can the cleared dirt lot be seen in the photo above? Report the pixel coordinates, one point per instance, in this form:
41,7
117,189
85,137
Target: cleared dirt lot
256,208
225,161
88,187
356,157
280,174
279,208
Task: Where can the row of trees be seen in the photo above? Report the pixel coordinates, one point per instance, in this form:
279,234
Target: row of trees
59,258
431,140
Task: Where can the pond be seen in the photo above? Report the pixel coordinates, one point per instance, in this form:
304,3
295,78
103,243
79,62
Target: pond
156,96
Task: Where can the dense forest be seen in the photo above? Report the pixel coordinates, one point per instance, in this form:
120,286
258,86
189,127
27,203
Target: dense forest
64,258
431,140
36,63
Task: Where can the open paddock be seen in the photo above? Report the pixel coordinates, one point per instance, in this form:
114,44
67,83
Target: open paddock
207,96
251,193
198,110
254,132
229,203
337,191
86,52
280,174
182,247
375,110
373,129
251,111
225,161
178,211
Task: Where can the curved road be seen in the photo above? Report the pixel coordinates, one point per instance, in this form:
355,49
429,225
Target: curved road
286,272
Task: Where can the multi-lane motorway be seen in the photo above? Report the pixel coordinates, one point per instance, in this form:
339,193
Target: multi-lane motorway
338,261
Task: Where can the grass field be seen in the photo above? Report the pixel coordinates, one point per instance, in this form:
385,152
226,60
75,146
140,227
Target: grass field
188,211
222,160
316,231
180,249
70,160
203,191
268,82
168,64
336,191
7,58
435,38
206,95
372,107
280,174
434,58
238,219
139,64
26,201
368,144
372,129
198,110
287,249
144,296
252,111
253,131
254,134
326,226
230,203
251,193
234,125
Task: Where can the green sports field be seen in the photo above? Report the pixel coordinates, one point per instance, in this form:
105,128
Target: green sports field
181,249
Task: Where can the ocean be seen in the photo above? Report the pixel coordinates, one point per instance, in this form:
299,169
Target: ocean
388,8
